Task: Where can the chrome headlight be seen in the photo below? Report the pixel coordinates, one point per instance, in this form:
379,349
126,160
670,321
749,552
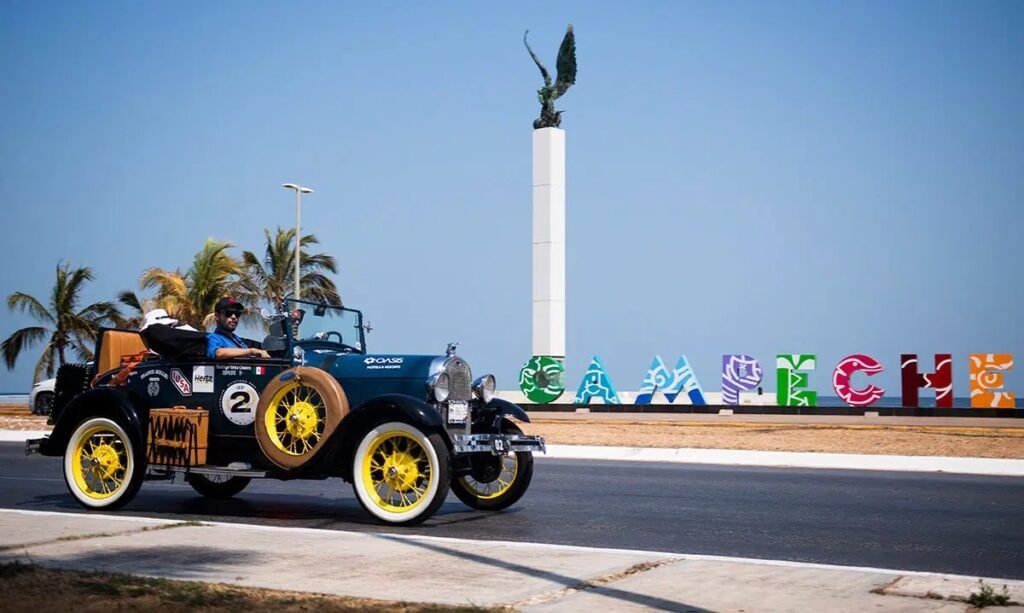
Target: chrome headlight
439,386
484,388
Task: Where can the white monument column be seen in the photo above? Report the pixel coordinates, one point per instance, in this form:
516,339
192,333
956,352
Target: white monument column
549,242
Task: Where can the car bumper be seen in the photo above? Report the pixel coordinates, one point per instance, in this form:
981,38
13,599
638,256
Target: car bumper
497,444
36,445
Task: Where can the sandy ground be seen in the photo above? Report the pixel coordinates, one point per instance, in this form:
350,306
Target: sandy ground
840,438
981,442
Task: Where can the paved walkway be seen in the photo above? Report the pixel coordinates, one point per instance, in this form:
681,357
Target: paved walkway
528,577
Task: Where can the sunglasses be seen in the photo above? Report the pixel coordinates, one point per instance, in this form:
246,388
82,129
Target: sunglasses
230,314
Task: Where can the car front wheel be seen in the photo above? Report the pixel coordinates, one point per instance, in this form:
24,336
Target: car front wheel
102,468
400,474
217,486
495,482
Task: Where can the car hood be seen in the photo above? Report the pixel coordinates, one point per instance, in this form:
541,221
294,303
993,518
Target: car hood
374,366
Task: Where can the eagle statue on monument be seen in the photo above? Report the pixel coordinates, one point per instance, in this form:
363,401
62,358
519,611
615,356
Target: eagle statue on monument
566,65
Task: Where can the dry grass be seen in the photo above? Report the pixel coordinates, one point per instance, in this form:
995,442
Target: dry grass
26,587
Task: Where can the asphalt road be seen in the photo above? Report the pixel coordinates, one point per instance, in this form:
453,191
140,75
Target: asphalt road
962,524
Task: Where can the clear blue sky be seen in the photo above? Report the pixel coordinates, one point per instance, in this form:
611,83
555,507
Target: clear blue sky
754,177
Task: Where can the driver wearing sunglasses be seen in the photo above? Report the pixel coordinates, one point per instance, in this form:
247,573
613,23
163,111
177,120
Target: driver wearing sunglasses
223,342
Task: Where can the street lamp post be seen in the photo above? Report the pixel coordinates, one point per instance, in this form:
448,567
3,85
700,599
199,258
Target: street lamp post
299,190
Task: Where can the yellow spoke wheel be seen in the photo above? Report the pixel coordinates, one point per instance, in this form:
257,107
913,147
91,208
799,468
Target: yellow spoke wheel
398,470
297,413
100,464
400,474
496,481
492,483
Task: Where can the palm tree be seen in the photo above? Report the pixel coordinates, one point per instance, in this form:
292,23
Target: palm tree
190,297
67,326
139,307
273,278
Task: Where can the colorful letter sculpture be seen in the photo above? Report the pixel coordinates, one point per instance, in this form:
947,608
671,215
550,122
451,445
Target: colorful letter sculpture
596,384
842,377
788,379
660,379
987,381
941,380
542,379
739,373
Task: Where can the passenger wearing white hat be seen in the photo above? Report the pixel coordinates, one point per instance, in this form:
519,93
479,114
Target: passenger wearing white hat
163,336
158,316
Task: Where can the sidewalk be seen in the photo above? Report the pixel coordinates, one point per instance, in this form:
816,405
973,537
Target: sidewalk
528,577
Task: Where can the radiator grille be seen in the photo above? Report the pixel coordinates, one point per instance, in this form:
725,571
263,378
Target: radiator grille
460,379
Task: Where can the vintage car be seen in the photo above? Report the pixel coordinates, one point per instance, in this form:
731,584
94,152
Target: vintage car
403,429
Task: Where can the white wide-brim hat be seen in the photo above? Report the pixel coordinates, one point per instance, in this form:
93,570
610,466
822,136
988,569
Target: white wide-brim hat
158,316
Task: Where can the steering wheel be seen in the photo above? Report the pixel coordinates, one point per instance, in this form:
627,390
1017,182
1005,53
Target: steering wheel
327,336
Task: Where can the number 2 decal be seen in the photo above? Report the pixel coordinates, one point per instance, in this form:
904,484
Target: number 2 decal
242,402
238,403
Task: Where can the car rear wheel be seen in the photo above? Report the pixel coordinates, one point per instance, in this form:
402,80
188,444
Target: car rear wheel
400,474
102,467
43,404
217,486
495,482
297,413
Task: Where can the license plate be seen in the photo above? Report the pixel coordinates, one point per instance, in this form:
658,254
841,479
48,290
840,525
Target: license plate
458,412
499,445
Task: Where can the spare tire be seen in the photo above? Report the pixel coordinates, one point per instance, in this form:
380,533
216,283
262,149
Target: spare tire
298,411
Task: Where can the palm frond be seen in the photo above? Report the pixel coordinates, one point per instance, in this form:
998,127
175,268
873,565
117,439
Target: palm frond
20,301
130,299
19,341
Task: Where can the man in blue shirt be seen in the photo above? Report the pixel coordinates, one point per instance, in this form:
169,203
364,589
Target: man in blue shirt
223,342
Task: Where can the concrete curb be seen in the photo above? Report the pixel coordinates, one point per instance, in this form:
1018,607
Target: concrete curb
793,459
20,436
738,457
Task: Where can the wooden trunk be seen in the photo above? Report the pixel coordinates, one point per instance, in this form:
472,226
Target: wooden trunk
177,436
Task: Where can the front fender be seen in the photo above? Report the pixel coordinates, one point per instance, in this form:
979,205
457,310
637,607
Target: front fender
388,407
116,404
504,408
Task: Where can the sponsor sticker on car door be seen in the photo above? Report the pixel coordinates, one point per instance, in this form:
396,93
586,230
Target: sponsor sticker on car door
202,379
181,382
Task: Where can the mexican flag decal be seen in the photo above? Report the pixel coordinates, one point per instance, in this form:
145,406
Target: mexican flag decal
260,370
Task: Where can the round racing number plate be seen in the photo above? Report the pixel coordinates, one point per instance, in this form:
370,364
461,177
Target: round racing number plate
238,402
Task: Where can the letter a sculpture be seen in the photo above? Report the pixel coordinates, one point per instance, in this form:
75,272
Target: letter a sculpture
566,64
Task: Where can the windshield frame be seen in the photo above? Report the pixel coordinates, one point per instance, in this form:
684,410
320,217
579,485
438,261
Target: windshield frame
309,308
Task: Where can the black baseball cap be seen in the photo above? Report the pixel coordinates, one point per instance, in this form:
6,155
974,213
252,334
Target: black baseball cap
228,304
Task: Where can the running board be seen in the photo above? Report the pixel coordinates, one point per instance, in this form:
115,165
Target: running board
209,469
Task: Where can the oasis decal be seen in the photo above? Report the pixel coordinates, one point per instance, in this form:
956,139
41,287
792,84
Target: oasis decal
238,403
383,363
542,380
